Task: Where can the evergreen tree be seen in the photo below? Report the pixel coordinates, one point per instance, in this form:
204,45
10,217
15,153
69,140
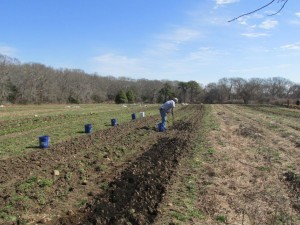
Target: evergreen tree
194,88
121,97
13,92
183,86
165,93
130,96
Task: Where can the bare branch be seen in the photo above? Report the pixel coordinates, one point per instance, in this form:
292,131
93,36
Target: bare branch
264,6
280,8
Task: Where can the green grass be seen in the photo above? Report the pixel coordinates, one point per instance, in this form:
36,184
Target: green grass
81,202
34,183
104,186
45,183
211,151
22,125
29,193
28,184
221,218
7,217
68,176
19,201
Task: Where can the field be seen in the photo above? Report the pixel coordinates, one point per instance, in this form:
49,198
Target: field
215,164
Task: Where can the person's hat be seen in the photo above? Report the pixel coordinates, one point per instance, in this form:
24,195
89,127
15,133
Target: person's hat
176,100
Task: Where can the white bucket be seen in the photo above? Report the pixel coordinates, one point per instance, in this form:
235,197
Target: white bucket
142,114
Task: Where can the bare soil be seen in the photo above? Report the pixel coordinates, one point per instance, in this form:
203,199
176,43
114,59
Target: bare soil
113,176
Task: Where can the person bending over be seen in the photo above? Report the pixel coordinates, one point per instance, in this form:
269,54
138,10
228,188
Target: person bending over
165,108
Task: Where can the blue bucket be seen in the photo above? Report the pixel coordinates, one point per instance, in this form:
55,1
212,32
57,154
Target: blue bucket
44,141
133,116
113,122
88,128
161,127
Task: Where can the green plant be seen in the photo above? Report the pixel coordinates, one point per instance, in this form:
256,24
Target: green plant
81,170
190,186
104,186
196,163
20,202
264,168
211,151
68,176
195,213
101,167
28,184
6,213
45,183
41,198
7,217
221,218
179,216
81,202
282,217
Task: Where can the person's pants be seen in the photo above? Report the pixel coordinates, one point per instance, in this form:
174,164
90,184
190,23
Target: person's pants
163,115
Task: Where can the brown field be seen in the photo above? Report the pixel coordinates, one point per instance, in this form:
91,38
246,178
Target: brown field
215,164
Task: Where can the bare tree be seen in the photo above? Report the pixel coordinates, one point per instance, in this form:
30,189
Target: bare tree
225,85
284,2
295,91
212,94
6,64
35,83
278,87
148,89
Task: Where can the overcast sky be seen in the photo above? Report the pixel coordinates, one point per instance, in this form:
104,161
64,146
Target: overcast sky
155,39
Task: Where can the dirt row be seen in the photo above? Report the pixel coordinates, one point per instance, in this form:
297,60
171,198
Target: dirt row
253,173
134,195
113,176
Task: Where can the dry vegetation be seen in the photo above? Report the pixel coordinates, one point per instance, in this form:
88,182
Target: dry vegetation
252,177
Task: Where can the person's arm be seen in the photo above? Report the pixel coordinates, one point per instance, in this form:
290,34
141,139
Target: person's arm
173,108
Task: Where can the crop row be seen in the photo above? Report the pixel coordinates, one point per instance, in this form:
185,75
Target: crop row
21,133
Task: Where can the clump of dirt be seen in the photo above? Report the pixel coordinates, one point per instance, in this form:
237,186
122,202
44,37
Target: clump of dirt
292,180
186,126
147,128
249,131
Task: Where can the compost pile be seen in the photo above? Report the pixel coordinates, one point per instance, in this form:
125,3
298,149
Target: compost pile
119,175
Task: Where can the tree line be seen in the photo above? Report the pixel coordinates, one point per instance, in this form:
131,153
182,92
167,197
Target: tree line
34,83
238,90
